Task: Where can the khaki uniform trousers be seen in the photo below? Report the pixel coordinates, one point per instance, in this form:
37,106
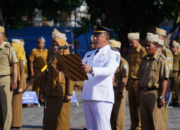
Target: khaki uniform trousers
38,83
118,111
152,116
5,103
175,88
133,107
17,109
57,114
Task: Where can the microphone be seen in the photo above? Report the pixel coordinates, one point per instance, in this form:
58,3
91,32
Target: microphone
63,47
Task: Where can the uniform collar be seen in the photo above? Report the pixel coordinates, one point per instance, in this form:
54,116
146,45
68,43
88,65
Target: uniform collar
138,48
39,50
2,45
107,47
164,47
156,55
175,54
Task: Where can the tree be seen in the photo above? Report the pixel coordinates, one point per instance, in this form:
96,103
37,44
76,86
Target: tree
126,16
14,10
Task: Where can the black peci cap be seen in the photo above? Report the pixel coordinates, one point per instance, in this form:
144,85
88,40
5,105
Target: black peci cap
98,29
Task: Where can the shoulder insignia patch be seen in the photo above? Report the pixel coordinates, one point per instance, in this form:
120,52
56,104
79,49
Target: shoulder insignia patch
125,66
8,45
163,56
34,49
113,49
89,55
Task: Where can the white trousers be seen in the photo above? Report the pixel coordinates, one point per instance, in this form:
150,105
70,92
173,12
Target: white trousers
97,114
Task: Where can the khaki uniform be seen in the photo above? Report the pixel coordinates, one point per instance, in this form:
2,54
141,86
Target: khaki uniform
118,111
151,72
17,98
39,60
134,61
175,83
7,57
168,54
58,110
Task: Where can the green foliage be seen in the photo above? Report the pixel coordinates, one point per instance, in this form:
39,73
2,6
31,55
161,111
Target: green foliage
14,10
126,16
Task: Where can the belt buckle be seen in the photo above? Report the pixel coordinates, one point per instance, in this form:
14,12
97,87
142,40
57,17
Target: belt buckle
131,80
145,88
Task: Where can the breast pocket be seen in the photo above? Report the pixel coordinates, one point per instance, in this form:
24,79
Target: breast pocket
3,60
154,71
101,61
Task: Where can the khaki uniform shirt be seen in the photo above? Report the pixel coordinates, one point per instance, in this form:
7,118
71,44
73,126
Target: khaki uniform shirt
176,62
168,54
152,71
122,71
7,57
39,58
134,61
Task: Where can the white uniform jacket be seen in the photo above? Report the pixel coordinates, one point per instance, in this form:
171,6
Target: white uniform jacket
99,87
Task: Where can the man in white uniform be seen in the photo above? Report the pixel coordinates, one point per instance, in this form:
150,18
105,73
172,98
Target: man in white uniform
100,65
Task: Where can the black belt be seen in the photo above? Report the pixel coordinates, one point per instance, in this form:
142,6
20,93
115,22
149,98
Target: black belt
175,71
132,80
3,76
149,88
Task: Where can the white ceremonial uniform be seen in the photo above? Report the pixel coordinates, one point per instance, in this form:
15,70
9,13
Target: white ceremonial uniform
97,93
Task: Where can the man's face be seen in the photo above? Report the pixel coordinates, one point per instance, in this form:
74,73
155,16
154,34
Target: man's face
1,37
55,46
41,45
100,40
92,45
160,50
174,49
134,44
150,48
162,38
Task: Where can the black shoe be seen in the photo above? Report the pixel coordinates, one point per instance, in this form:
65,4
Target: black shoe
15,128
172,104
177,105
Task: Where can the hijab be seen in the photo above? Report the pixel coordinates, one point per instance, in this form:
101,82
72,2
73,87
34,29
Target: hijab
57,74
20,53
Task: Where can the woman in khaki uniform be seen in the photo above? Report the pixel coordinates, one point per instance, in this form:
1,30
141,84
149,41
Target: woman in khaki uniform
17,94
59,92
119,83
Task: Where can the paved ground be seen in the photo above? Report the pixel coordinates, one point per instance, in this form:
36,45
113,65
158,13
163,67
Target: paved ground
32,117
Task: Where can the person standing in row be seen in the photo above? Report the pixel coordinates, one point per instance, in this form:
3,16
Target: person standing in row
176,75
168,54
38,59
119,83
135,56
59,92
8,59
21,83
153,76
100,65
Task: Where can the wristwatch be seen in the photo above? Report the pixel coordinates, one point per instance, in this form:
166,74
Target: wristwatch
161,97
91,71
120,93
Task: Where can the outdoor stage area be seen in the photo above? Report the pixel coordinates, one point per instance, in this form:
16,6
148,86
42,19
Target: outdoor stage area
32,117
